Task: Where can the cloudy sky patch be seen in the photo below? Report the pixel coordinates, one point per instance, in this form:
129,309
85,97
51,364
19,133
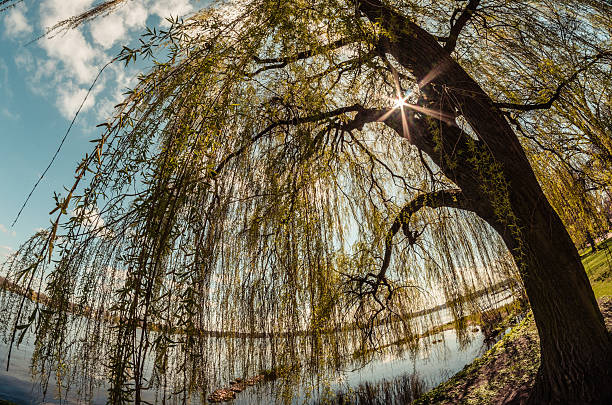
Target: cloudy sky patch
42,85
15,22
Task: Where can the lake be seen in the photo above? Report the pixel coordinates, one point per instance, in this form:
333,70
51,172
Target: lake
439,356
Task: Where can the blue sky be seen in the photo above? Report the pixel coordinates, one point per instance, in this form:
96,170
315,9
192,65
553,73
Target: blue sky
41,87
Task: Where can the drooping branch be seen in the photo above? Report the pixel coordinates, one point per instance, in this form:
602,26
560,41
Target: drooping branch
557,93
560,157
375,159
292,121
89,14
342,66
277,63
458,25
452,198
369,284
7,4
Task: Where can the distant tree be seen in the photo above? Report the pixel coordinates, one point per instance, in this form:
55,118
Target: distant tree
256,179
580,206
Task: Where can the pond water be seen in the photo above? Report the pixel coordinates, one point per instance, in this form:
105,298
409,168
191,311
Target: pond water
433,364
439,356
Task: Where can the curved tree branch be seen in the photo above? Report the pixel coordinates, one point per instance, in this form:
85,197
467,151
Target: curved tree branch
369,284
459,24
452,198
290,121
557,93
419,133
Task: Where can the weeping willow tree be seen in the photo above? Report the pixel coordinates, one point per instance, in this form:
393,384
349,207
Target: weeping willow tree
567,130
579,204
256,180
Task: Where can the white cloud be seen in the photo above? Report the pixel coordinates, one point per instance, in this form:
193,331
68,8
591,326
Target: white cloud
4,229
122,80
16,24
70,96
107,30
65,81
79,58
74,57
6,251
167,8
6,93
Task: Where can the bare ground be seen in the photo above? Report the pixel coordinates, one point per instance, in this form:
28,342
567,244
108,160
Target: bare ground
505,373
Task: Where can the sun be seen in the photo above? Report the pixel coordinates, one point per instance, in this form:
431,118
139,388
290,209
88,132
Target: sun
400,102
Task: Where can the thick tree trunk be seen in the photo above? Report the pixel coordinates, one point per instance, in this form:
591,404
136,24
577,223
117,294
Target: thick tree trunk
576,349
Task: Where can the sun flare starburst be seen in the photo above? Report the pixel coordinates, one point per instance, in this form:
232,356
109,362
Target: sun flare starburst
400,102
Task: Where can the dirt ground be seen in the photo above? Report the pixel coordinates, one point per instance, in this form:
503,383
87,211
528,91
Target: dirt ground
505,373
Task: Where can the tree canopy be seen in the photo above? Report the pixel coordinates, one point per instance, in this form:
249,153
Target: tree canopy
256,180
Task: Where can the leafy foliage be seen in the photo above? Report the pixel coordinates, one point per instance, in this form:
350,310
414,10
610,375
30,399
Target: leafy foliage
233,194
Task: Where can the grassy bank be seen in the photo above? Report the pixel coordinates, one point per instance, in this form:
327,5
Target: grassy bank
508,369
598,266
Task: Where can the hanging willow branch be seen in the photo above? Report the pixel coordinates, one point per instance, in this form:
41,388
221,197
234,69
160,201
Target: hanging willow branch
245,185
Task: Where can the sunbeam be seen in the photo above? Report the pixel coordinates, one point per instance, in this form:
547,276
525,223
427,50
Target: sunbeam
401,103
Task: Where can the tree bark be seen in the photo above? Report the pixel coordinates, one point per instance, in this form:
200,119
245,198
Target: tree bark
590,241
576,348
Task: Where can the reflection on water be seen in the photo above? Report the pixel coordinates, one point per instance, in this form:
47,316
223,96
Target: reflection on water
434,359
432,363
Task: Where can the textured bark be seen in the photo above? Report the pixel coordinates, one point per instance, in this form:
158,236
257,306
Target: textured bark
576,349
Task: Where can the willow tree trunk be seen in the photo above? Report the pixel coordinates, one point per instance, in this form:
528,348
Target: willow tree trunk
576,348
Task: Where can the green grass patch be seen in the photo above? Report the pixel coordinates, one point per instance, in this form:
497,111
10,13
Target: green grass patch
509,363
598,266
512,363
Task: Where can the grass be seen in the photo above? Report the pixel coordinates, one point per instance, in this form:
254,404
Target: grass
598,266
399,390
509,368
509,363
